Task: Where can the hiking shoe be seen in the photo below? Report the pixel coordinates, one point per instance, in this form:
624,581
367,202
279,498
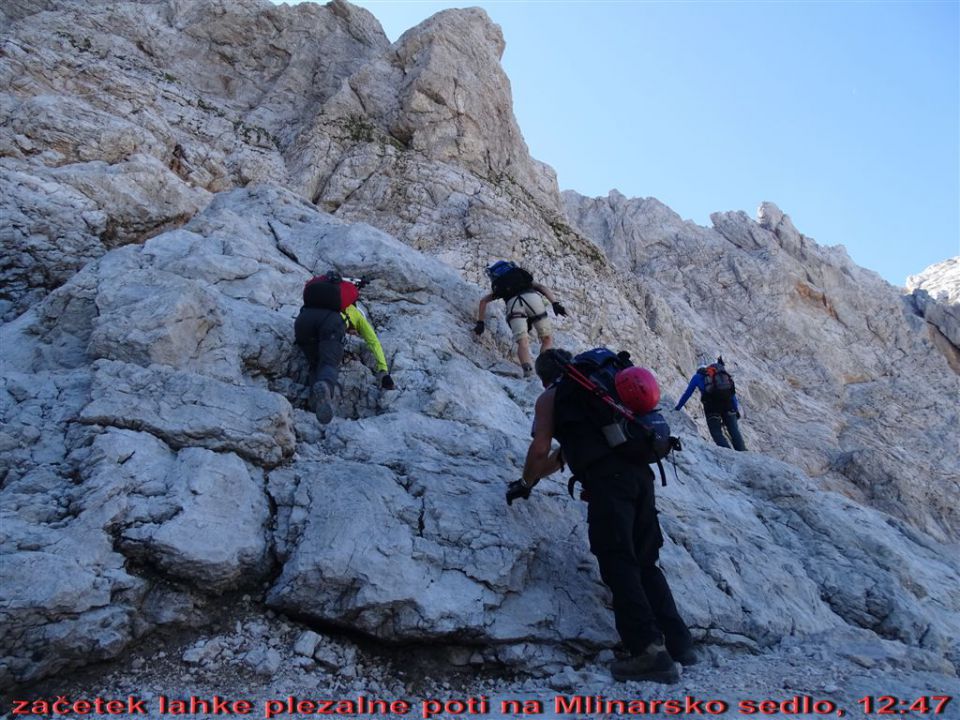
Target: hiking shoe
654,664
322,399
527,369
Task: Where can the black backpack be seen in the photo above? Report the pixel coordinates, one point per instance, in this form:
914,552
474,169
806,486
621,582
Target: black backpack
718,383
323,292
643,438
508,280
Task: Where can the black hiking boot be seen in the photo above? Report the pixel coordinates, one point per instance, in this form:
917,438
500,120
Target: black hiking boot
527,369
654,664
686,657
321,397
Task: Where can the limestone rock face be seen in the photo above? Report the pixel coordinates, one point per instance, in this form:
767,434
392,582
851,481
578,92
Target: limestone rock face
182,455
186,97
163,94
174,171
941,281
58,219
935,295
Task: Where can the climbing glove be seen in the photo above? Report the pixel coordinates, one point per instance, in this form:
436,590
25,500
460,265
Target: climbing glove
479,327
572,483
386,382
559,309
517,489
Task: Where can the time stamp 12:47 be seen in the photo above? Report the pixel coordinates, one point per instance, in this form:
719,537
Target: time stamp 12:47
890,705
925,705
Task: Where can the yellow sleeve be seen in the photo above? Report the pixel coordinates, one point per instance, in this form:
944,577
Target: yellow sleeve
363,326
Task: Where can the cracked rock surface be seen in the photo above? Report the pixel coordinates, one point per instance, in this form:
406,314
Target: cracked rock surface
131,468
935,296
173,171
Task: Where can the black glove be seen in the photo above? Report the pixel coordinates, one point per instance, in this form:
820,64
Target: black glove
479,327
517,489
386,382
571,484
559,309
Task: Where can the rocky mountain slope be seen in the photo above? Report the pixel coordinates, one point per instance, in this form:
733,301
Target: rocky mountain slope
936,297
841,370
941,281
174,170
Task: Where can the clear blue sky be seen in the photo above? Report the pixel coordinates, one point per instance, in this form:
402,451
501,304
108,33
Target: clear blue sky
846,114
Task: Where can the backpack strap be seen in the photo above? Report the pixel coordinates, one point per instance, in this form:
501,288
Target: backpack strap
513,314
674,445
663,475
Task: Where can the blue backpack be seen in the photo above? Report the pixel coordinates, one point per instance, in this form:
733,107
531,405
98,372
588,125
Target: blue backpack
508,279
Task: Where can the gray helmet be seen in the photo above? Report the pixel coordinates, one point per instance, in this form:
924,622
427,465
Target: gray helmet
550,364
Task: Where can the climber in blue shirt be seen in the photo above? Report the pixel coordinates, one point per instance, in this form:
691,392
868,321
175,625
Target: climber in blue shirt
719,397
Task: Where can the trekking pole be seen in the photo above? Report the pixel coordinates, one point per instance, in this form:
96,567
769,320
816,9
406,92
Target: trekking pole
598,392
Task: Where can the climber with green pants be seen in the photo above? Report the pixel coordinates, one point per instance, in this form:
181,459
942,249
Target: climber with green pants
329,311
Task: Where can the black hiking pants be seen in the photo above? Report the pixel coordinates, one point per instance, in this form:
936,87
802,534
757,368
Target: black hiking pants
626,539
319,333
716,421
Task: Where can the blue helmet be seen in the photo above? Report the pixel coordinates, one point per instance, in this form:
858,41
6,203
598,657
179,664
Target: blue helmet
497,267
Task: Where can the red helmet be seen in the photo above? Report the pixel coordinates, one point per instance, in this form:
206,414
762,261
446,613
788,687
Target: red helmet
638,389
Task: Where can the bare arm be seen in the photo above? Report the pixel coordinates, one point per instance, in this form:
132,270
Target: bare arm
484,301
545,292
540,460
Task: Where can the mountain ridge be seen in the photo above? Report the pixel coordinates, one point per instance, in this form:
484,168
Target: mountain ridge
163,221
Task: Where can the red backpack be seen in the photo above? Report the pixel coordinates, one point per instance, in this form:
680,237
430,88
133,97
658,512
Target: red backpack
330,292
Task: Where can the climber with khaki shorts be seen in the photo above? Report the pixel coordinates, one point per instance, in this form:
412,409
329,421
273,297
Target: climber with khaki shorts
525,308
